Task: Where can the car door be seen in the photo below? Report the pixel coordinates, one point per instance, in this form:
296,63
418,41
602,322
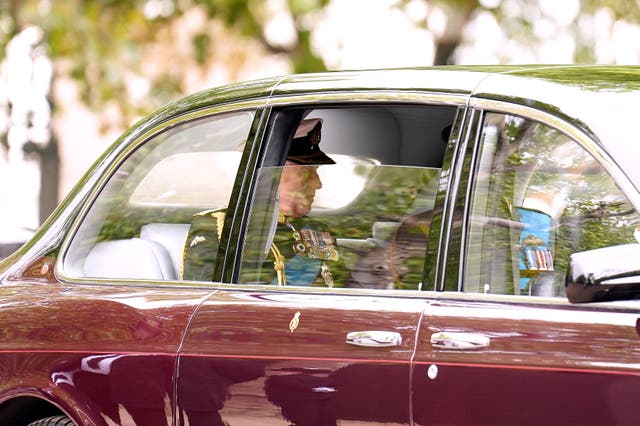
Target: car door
112,327
502,345
316,321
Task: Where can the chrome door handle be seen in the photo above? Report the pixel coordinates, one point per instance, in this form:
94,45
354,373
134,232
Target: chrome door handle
374,338
459,341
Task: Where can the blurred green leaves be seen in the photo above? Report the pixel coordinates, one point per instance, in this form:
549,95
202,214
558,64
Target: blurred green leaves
104,45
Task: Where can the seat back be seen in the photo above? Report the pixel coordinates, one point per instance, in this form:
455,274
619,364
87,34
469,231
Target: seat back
172,236
133,258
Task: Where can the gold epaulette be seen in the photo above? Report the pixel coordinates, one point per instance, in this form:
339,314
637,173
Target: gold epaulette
217,215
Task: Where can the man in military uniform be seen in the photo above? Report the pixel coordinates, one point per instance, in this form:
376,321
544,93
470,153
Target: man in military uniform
300,256
308,250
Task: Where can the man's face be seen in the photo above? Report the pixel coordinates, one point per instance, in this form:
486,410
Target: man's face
298,186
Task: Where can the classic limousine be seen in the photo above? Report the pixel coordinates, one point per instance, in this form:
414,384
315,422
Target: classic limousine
452,245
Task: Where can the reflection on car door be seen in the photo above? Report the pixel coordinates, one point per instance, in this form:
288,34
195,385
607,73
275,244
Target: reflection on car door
484,362
283,358
110,351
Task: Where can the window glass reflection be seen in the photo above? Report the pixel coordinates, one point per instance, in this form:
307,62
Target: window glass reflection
538,198
345,198
377,240
143,224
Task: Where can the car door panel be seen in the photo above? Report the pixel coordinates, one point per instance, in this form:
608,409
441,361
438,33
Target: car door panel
536,367
110,352
283,356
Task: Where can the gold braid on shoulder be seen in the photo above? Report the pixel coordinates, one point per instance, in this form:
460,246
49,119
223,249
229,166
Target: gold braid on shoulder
219,215
278,265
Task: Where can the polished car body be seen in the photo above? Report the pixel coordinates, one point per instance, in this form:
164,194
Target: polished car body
469,208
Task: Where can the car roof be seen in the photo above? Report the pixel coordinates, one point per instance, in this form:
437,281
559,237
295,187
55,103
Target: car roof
487,81
447,79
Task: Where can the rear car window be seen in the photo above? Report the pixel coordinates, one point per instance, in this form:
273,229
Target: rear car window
345,197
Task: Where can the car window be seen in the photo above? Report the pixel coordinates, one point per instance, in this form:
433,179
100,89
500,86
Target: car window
143,222
538,197
345,196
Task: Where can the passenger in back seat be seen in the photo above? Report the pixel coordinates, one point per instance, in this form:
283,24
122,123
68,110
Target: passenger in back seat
300,255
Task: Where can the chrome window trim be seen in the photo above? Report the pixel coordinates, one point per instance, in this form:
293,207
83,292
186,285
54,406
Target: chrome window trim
371,96
428,296
466,138
630,306
106,173
471,155
434,277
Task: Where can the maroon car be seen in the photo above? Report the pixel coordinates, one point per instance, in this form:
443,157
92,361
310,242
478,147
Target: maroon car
428,246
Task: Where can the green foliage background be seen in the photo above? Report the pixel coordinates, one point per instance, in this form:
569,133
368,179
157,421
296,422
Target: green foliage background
101,43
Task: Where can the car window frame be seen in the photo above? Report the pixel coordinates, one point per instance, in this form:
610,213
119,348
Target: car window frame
349,99
459,230
121,153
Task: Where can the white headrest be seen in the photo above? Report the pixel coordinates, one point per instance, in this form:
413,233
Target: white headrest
171,235
134,258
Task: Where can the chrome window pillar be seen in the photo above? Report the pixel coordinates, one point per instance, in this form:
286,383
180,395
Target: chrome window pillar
447,272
